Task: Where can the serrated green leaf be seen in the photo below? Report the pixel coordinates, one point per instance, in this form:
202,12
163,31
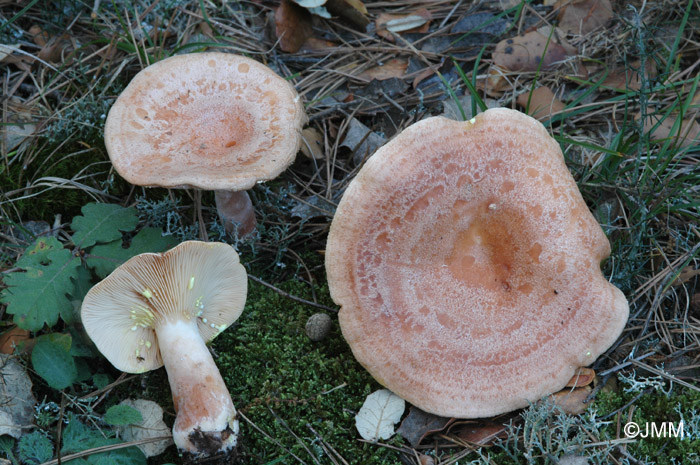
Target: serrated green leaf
35,448
122,415
78,437
106,258
38,294
52,360
102,222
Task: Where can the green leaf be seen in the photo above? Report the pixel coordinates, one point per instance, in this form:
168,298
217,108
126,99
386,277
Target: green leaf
102,222
52,360
38,294
7,445
77,437
82,283
122,415
107,257
35,448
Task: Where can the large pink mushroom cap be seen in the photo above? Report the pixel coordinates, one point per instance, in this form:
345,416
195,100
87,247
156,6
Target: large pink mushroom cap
467,267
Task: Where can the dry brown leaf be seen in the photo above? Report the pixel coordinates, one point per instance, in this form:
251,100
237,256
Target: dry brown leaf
495,83
686,275
480,434
571,401
418,424
312,143
543,103
524,53
582,377
292,26
417,21
661,129
393,68
583,16
351,10
39,36
313,44
13,339
628,77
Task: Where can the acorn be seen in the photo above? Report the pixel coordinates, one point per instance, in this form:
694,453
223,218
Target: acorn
318,326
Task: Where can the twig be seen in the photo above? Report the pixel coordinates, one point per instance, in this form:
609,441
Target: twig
290,296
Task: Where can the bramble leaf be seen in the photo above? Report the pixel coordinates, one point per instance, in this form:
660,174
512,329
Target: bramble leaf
52,360
106,257
37,295
102,222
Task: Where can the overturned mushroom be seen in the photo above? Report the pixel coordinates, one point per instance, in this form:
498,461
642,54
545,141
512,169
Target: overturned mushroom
467,266
207,120
161,309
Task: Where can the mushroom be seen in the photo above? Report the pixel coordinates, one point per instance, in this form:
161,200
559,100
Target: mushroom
467,267
161,309
206,120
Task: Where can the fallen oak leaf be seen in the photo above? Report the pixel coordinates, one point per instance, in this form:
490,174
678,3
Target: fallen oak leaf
661,128
524,53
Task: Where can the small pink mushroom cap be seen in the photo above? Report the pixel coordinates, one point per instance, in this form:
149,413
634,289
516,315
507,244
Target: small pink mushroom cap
467,267
210,120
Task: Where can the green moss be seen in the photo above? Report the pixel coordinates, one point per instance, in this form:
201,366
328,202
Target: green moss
286,385
657,408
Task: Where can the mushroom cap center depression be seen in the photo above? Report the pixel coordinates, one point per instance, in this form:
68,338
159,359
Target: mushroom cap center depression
193,132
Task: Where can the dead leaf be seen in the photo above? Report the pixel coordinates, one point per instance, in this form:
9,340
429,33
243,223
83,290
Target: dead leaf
361,140
685,275
17,406
14,339
310,3
571,401
628,77
312,143
39,36
152,426
379,413
661,129
351,10
481,433
542,103
417,21
418,424
292,26
495,83
582,377
583,16
313,44
524,53
392,68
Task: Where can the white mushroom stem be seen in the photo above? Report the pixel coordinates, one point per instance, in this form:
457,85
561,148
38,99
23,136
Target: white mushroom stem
236,211
206,420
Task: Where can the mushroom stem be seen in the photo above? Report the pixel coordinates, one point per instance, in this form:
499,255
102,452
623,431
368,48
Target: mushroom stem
206,420
236,211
